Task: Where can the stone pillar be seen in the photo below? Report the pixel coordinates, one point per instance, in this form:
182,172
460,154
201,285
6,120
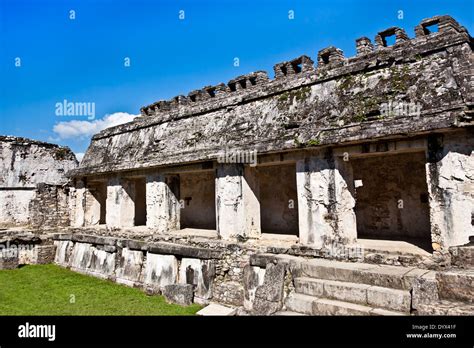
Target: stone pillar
92,208
346,228
237,206
251,197
120,205
313,178
450,179
162,205
325,204
78,204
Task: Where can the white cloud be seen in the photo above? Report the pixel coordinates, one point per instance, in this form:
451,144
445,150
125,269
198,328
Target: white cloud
85,129
79,155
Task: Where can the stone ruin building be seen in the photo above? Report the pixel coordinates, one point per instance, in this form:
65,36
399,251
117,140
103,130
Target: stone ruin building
33,186
344,186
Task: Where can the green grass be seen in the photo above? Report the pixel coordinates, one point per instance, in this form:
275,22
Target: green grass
49,289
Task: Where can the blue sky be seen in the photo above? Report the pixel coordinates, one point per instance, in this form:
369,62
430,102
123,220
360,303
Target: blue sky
82,59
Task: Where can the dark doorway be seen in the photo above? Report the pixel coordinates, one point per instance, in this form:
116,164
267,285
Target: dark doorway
197,200
278,199
140,202
392,198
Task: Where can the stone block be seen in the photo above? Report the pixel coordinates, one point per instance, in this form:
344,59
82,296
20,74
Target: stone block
81,256
392,299
199,273
184,250
269,295
63,252
215,309
272,287
8,260
45,254
181,294
309,286
344,291
425,289
456,285
160,270
300,303
252,278
102,263
229,292
334,307
263,307
131,262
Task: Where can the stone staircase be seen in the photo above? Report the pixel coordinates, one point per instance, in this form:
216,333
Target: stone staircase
326,287
342,288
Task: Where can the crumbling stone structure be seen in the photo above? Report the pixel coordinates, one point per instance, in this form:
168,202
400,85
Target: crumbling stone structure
33,184
344,187
374,146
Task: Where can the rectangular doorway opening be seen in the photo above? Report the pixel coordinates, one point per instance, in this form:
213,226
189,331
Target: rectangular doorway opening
278,199
392,198
140,202
197,200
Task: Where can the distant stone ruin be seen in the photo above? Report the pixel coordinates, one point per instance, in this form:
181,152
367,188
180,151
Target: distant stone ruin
359,198
33,185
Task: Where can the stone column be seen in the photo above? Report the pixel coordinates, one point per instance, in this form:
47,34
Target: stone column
237,206
346,227
313,177
92,208
120,205
251,195
450,179
78,205
162,205
325,204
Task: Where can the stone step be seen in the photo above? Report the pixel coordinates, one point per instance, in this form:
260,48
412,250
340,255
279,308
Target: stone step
300,303
463,256
456,285
322,306
445,307
288,313
391,299
215,309
395,277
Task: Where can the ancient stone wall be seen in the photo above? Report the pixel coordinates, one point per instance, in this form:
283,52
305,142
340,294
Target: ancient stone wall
32,182
50,206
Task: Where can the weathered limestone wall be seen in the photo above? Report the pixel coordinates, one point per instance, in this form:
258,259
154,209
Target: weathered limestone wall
15,206
197,196
149,266
50,206
450,177
25,164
